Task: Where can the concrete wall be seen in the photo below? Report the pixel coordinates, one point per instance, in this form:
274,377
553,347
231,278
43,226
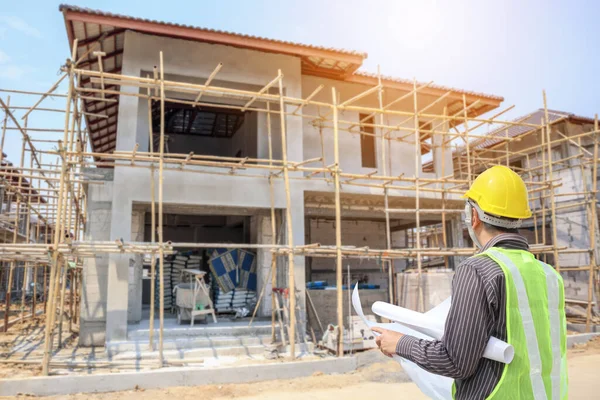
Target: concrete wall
400,156
354,233
325,302
436,287
576,287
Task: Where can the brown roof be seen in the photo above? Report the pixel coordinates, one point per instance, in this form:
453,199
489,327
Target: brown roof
89,25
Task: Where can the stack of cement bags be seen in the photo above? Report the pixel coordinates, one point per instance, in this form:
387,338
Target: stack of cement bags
234,300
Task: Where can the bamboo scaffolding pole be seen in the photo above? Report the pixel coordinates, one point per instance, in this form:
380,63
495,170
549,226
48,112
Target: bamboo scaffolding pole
27,238
51,309
388,235
288,223
67,217
592,228
152,231
45,95
7,300
161,310
550,176
338,228
4,122
420,303
443,167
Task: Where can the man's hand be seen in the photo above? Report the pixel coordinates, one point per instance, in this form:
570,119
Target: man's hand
387,340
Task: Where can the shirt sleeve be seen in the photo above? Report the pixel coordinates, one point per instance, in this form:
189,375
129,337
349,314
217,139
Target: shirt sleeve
466,334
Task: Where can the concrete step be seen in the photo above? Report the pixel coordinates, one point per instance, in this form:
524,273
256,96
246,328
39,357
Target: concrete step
197,342
209,330
189,353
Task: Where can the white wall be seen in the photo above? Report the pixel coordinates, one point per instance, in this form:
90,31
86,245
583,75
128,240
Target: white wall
354,233
400,156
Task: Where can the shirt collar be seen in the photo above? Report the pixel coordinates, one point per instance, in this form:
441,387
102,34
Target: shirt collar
503,237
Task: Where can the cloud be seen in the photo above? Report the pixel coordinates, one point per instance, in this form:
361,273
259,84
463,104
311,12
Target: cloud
20,25
14,72
10,70
4,58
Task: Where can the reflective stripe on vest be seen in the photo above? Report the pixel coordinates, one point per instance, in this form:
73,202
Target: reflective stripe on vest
553,306
537,383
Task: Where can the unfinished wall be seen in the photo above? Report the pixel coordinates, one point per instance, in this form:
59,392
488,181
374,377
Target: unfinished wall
325,302
436,287
354,233
400,156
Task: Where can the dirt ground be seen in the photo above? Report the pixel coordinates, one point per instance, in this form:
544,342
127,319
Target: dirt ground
377,376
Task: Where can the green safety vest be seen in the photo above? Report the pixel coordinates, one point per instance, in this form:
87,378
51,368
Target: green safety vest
536,327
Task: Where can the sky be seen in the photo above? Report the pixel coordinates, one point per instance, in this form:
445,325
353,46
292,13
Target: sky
511,48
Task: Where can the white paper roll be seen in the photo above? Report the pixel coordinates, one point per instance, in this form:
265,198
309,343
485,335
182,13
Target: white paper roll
432,324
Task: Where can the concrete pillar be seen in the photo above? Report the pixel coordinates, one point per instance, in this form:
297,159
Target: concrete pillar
298,217
120,228
135,270
263,265
95,270
117,304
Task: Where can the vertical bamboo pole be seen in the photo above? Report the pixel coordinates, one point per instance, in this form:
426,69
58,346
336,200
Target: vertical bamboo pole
4,122
273,226
543,198
506,149
2,265
71,298
592,228
420,304
550,176
338,226
7,300
37,240
466,137
152,228
288,215
443,186
27,232
388,236
161,260
51,309
68,212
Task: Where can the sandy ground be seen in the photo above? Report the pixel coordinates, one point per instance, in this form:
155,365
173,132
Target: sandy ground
377,377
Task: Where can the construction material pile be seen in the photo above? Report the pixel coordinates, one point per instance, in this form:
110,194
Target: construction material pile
173,265
233,280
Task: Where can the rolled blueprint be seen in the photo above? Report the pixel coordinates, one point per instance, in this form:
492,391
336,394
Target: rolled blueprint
434,386
432,324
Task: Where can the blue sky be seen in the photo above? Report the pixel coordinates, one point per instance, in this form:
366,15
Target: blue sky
510,48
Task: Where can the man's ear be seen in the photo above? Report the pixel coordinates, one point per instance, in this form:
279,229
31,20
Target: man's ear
475,218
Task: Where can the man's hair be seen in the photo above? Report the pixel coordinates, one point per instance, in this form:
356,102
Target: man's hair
497,229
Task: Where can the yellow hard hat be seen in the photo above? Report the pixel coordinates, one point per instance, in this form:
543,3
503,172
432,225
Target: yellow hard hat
500,191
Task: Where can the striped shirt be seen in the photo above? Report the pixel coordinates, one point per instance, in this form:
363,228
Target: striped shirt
478,311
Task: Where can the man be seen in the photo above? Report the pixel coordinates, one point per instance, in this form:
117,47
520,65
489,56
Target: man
502,291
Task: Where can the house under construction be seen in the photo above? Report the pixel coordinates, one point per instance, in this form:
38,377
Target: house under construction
183,145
